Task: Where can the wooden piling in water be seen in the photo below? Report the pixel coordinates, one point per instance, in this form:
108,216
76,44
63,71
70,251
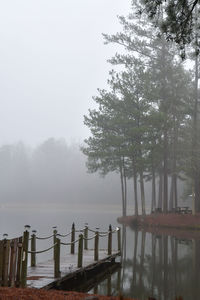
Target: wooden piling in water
86,237
96,246
119,238
33,248
73,239
57,258
80,251
54,240
110,240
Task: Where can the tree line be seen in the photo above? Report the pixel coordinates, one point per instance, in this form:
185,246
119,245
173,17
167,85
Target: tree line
52,173
145,126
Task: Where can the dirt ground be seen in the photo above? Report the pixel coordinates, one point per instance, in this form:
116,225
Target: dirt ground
39,294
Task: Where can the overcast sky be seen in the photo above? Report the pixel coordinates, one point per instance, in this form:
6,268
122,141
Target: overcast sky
52,60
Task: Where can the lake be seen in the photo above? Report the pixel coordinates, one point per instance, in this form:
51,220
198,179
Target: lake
153,264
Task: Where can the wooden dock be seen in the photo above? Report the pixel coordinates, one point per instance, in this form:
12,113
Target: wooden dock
82,262
42,276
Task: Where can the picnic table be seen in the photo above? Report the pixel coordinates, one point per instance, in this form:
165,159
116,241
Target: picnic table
183,210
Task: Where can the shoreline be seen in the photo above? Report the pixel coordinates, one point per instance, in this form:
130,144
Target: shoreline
163,221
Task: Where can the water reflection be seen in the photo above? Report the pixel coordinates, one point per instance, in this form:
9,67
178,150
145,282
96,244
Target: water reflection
110,286
157,265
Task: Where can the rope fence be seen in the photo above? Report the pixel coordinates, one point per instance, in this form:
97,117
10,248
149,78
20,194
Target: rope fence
44,238
42,251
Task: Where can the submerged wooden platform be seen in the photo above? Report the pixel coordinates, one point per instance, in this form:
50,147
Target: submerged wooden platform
42,276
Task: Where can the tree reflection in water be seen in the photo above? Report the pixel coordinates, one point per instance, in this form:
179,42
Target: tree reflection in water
156,265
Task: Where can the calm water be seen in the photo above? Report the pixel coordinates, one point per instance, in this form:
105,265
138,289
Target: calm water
153,265
156,265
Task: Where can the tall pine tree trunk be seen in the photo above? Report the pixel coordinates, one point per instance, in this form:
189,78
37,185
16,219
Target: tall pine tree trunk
195,142
175,191
125,194
135,188
123,186
142,192
171,198
165,173
122,190
153,195
160,190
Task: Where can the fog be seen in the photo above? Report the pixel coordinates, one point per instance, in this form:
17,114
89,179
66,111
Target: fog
52,173
52,61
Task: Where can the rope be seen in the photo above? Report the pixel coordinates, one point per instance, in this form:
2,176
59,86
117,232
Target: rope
103,235
44,238
88,239
64,235
67,244
42,251
101,232
81,230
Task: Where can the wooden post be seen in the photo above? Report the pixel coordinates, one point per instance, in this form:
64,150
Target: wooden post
73,239
33,248
80,251
13,259
19,262
24,258
119,238
54,240
96,246
6,252
110,240
57,259
85,237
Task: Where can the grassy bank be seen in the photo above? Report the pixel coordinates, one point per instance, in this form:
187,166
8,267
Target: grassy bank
176,221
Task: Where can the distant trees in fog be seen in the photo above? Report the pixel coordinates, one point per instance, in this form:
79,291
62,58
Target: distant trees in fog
52,172
143,124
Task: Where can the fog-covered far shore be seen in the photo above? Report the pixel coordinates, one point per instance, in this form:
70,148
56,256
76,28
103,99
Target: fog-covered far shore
54,174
